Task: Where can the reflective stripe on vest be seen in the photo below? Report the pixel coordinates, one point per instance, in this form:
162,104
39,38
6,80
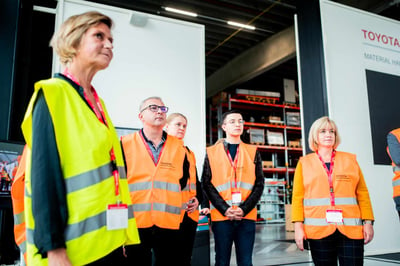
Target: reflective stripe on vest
156,184
323,222
327,202
19,218
142,207
190,187
89,178
396,182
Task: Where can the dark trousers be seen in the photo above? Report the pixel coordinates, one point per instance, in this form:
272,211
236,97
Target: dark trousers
242,233
328,250
164,243
187,231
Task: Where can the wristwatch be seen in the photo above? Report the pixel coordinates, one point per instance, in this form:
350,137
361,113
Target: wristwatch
368,222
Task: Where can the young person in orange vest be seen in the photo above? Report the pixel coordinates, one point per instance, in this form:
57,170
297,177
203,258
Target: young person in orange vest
192,194
157,171
393,149
233,181
331,207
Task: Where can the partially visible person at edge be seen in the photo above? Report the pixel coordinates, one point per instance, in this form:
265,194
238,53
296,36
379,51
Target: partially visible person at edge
233,181
191,195
158,171
76,187
331,207
393,149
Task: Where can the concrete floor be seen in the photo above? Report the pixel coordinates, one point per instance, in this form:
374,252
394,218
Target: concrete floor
273,247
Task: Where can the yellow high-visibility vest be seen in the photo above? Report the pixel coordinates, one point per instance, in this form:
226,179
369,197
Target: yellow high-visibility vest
84,145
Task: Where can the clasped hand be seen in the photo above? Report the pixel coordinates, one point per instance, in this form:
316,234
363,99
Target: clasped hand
234,213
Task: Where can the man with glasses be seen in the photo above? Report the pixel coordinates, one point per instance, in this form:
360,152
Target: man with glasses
233,180
157,171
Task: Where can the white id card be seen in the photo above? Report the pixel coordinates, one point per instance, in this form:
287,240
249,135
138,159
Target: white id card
236,198
117,216
334,216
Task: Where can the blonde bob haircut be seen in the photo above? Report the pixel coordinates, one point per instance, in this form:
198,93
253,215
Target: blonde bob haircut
315,129
172,116
66,40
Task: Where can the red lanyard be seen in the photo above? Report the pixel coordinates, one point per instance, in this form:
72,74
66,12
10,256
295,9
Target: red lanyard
329,173
102,118
234,163
149,150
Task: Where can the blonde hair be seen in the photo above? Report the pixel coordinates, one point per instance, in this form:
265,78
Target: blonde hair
316,127
172,116
66,40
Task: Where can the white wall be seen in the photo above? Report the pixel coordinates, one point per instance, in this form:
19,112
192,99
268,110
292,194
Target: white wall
165,58
344,48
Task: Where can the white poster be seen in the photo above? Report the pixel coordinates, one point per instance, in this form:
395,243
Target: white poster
153,56
362,62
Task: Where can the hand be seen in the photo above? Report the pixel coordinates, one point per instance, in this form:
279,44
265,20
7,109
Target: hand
238,213
192,205
58,257
205,211
368,230
230,213
299,235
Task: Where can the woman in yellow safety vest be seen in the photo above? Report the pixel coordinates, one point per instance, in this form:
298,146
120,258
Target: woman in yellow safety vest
331,207
77,205
191,195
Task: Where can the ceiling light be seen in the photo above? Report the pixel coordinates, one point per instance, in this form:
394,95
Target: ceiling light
240,25
182,12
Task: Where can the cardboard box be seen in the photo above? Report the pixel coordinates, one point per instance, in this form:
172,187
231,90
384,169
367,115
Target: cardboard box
259,93
288,218
275,119
275,138
257,136
294,143
267,164
292,118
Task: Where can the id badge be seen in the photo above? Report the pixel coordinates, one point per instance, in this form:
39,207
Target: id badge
334,216
236,198
117,216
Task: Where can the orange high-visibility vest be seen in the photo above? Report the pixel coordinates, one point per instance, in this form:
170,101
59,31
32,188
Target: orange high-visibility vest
396,169
223,175
346,178
17,195
154,188
190,190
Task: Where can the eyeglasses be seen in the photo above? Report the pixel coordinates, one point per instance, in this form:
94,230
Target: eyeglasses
154,108
233,122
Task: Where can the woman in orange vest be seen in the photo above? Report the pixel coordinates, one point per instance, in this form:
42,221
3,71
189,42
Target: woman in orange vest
331,207
191,194
233,181
393,149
